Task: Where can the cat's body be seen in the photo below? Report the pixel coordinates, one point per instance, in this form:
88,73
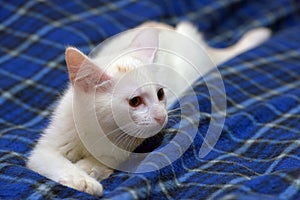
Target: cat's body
60,153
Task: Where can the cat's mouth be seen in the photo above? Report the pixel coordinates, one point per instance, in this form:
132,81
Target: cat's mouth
143,123
149,129
150,124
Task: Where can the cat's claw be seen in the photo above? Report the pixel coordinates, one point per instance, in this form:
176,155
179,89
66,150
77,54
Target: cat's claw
83,183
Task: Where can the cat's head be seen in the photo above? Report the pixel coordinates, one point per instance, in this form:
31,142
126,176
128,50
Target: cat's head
127,98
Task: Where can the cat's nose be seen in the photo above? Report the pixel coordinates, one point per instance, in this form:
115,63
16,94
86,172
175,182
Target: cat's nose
160,119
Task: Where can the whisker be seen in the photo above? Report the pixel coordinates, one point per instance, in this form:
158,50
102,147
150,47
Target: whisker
108,134
118,141
117,129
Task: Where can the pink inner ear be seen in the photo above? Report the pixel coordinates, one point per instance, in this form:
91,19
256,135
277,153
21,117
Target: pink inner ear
74,59
148,39
82,71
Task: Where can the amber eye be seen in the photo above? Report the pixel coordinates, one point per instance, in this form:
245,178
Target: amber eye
135,101
160,94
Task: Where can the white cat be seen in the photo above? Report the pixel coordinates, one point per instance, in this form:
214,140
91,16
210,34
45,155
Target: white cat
60,154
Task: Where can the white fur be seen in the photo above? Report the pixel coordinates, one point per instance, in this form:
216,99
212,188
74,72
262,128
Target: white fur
60,154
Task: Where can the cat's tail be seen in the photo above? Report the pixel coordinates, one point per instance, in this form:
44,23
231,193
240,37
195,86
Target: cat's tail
250,40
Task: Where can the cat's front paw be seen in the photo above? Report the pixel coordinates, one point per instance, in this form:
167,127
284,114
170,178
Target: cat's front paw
94,168
83,183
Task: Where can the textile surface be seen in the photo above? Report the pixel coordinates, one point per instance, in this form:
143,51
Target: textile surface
258,152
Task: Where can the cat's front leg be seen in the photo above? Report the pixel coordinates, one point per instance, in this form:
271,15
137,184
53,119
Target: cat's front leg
94,168
79,180
52,164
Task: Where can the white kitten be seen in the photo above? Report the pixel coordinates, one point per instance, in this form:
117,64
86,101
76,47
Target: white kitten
138,109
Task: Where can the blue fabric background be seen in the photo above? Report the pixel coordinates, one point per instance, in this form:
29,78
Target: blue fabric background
257,155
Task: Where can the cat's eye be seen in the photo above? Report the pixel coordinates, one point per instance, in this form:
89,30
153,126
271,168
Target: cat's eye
135,101
160,94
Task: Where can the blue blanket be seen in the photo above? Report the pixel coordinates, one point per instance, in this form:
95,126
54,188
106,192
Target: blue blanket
258,153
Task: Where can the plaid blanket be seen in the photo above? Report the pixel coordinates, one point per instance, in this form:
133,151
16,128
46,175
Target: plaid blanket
258,152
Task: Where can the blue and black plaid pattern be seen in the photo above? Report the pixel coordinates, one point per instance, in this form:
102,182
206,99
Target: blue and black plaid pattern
258,153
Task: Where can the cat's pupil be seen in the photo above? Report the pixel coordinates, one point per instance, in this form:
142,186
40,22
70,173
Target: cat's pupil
135,101
160,94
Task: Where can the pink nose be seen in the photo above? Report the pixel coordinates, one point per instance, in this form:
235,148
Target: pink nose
161,119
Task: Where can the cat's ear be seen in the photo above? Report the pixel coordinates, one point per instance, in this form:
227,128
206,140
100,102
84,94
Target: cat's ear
83,73
146,43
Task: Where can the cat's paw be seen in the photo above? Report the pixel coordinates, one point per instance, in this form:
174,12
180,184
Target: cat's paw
94,168
82,182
